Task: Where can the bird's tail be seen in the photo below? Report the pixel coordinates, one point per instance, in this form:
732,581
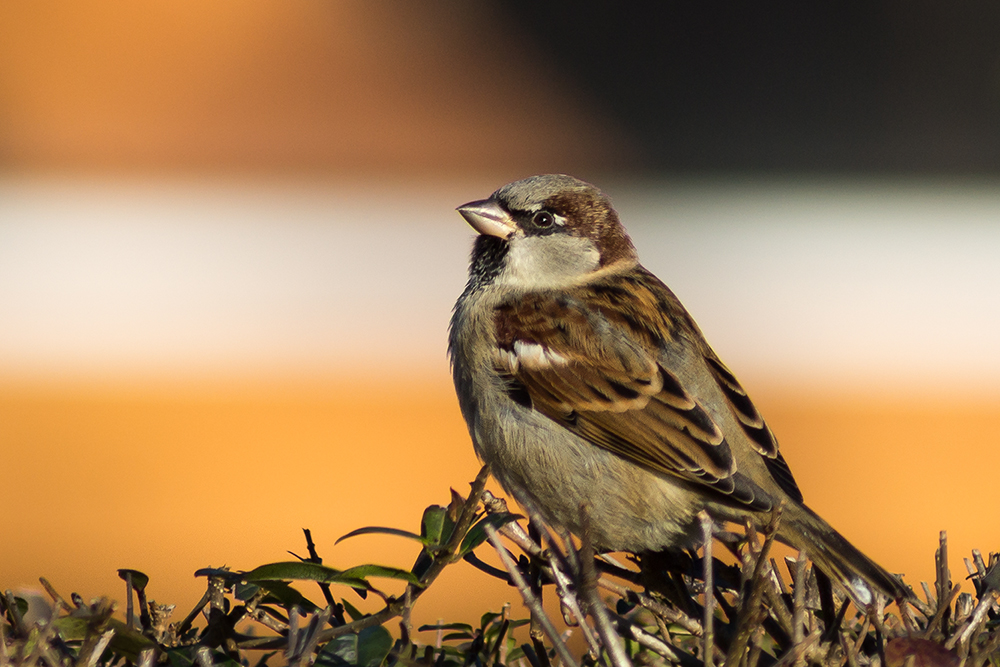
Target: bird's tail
838,558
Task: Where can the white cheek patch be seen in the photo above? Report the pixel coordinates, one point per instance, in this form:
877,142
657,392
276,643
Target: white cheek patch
547,262
537,357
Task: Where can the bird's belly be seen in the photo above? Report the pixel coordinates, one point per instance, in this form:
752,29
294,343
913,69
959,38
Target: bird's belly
554,472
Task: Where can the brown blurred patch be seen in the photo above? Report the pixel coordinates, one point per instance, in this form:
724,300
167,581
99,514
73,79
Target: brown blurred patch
171,479
261,84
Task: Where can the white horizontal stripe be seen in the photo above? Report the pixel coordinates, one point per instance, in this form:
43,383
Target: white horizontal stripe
896,285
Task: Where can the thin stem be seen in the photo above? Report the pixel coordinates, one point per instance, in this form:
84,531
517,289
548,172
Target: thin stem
530,601
708,622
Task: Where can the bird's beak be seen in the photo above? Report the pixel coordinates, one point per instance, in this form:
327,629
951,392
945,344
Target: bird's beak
486,217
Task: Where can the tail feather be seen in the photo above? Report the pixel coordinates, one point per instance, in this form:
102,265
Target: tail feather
858,574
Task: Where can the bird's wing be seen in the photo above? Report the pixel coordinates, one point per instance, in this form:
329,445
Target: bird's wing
758,433
589,359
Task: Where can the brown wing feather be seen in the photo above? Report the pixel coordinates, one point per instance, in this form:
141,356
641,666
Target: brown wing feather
750,418
759,434
595,370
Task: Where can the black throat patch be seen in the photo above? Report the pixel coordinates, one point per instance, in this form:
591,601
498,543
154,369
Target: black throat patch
488,256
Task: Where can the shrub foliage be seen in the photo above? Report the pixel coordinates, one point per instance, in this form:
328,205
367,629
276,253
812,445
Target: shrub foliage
672,608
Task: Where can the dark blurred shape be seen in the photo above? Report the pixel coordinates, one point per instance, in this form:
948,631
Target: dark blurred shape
510,88
901,87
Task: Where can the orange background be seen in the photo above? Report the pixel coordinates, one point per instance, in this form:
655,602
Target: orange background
171,479
170,476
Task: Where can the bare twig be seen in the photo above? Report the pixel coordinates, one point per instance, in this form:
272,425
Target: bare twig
314,557
567,597
708,621
749,606
944,604
643,638
14,614
203,656
798,651
943,581
588,586
58,599
405,625
513,530
4,655
501,641
658,608
907,616
775,592
931,598
798,602
97,649
981,654
94,643
529,598
302,643
754,656
975,621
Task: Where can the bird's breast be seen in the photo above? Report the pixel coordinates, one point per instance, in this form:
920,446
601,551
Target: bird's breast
553,472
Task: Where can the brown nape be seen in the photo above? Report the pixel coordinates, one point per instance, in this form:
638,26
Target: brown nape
590,214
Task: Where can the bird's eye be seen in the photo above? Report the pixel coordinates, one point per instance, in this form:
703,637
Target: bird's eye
543,219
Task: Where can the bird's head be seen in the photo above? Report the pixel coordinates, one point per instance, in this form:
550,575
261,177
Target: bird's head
545,232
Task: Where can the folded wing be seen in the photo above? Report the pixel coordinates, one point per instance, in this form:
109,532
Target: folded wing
587,360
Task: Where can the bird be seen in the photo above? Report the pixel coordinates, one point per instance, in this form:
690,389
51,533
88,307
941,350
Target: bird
587,386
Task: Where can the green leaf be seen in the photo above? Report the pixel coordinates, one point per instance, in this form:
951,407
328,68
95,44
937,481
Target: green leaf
515,654
339,652
487,618
22,606
436,526
368,648
423,563
220,659
126,641
991,580
180,657
381,530
352,611
374,645
244,591
71,628
477,534
381,571
286,595
291,570
139,579
302,571
228,576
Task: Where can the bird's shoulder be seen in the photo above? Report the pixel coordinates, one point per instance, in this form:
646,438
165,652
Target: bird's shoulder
628,303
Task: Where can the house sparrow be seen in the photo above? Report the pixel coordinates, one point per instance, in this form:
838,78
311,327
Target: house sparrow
585,382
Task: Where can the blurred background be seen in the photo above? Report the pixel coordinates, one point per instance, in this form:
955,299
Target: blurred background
228,254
